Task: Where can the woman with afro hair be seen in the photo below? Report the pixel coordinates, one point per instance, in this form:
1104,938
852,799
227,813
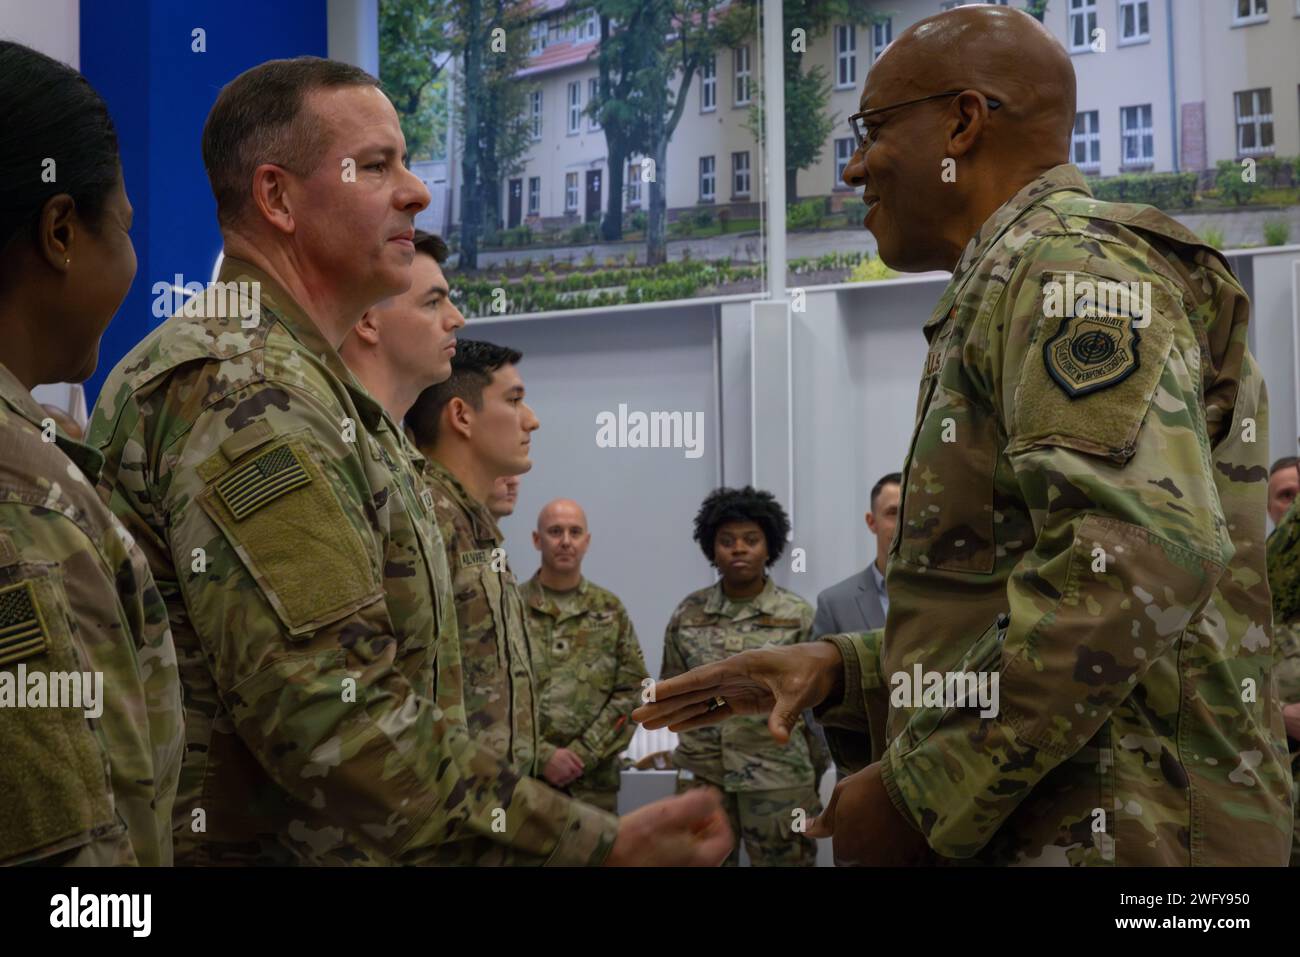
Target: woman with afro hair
769,789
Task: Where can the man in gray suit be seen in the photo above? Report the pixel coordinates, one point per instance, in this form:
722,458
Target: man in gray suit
860,602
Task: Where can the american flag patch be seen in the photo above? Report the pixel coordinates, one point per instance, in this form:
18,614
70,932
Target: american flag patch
22,630
261,481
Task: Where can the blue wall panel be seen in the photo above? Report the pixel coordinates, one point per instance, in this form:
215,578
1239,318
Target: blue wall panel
139,55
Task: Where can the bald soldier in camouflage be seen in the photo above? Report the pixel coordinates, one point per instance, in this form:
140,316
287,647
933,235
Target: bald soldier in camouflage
1284,585
286,520
770,788
587,662
473,428
1082,513
91,732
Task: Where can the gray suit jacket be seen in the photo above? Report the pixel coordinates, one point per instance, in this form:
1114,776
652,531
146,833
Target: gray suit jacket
850,605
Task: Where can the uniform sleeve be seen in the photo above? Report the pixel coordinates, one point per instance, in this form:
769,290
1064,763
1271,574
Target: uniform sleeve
91,783
855,725
612,728
673,661
273,541
1114,472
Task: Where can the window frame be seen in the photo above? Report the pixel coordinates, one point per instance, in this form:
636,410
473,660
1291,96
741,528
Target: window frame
709,85
736,172
839,168
1256,121
1087,10
534,196
571,192
573,125
712,176
1143,132
738,76
1252,18
535,106
1088,138
593,84
877,49
1138,37
846,55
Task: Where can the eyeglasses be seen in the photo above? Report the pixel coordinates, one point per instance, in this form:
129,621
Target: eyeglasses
864,135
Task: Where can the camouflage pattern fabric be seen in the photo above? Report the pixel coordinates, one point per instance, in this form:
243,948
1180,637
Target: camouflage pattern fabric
1284,584
1102,483
500,702
76,598
765,822
288,526
589,669
739,754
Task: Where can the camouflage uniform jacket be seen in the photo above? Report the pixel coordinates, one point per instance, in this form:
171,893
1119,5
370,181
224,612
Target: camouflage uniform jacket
288,526
500,704
589,670
76,597
738,754
1284,584
1099,481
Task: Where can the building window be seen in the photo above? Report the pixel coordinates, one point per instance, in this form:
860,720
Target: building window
709,85
570,192
534,195
1254,121
708,179
1083,20
1136,135
740,173
882,34
742,76
1134,21
589,28
535,107
844,149
846,55
554,31
633,182
1249,11
536,37
1085,145
575,106
592,94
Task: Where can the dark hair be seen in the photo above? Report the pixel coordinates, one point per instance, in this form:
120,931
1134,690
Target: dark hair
471,370
259,117
1285,462
431,244
746,504
893,478
48,111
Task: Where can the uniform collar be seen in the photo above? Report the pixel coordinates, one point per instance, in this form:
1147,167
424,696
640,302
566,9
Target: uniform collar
15,395
570,602
760,604
484,525
1057,179
277,301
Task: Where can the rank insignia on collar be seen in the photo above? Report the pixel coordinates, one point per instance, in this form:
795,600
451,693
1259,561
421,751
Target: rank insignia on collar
1091,352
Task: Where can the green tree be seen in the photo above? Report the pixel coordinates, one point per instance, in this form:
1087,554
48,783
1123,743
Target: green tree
808,119
412,34
1036,9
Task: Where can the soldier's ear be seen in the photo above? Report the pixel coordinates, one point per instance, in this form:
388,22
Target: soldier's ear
367,330
458,417
271,198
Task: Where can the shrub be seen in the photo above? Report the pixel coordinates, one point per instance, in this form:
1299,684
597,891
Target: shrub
702,218
808,214
639,221
1277,232
1230,184
1213,237
870,270
1163,190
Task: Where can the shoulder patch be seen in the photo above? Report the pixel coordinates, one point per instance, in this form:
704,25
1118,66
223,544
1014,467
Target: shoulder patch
22,626
275,472
1092,352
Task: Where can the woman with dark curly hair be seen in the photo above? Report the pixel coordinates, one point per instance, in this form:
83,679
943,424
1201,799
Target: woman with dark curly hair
769,789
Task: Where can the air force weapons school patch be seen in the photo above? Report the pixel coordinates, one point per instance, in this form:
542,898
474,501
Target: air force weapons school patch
1096,343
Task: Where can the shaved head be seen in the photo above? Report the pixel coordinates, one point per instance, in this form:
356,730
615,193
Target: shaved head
933,171
1003,53
562,537
561,509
